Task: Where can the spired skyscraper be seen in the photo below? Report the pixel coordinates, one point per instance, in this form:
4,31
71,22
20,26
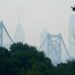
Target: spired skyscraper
72,33
19,35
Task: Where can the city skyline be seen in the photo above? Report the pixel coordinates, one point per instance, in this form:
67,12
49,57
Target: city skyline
29,21
35,17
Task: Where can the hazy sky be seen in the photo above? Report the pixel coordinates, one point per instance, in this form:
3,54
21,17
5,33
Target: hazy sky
36,16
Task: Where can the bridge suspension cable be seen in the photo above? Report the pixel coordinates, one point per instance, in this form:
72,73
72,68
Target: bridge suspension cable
8,34
66,48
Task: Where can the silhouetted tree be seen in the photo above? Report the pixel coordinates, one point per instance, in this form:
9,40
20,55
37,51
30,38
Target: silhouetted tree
30,61
23,59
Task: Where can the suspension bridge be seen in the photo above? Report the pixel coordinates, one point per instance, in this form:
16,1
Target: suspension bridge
53,44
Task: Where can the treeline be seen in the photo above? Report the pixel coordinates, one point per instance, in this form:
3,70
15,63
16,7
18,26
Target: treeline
22,59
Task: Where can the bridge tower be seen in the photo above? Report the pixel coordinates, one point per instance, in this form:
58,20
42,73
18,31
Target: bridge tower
53,46
1,34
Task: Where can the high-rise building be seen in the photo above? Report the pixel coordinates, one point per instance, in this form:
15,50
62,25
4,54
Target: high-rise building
72,34
19,35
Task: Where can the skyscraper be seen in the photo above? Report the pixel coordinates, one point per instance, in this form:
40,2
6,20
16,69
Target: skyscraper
72,34
19,35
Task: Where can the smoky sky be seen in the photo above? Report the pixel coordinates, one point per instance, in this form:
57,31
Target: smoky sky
36,16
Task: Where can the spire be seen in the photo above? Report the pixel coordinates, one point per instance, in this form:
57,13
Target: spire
19,35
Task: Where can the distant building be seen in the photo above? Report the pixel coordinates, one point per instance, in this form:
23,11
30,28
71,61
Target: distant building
72,34
19,35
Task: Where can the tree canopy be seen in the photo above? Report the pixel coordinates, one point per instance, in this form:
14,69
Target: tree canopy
22,59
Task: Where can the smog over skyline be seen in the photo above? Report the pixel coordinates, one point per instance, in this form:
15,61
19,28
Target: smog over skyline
19,35
48,25
35,17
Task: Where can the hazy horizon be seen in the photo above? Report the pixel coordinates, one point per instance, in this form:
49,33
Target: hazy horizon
36,16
